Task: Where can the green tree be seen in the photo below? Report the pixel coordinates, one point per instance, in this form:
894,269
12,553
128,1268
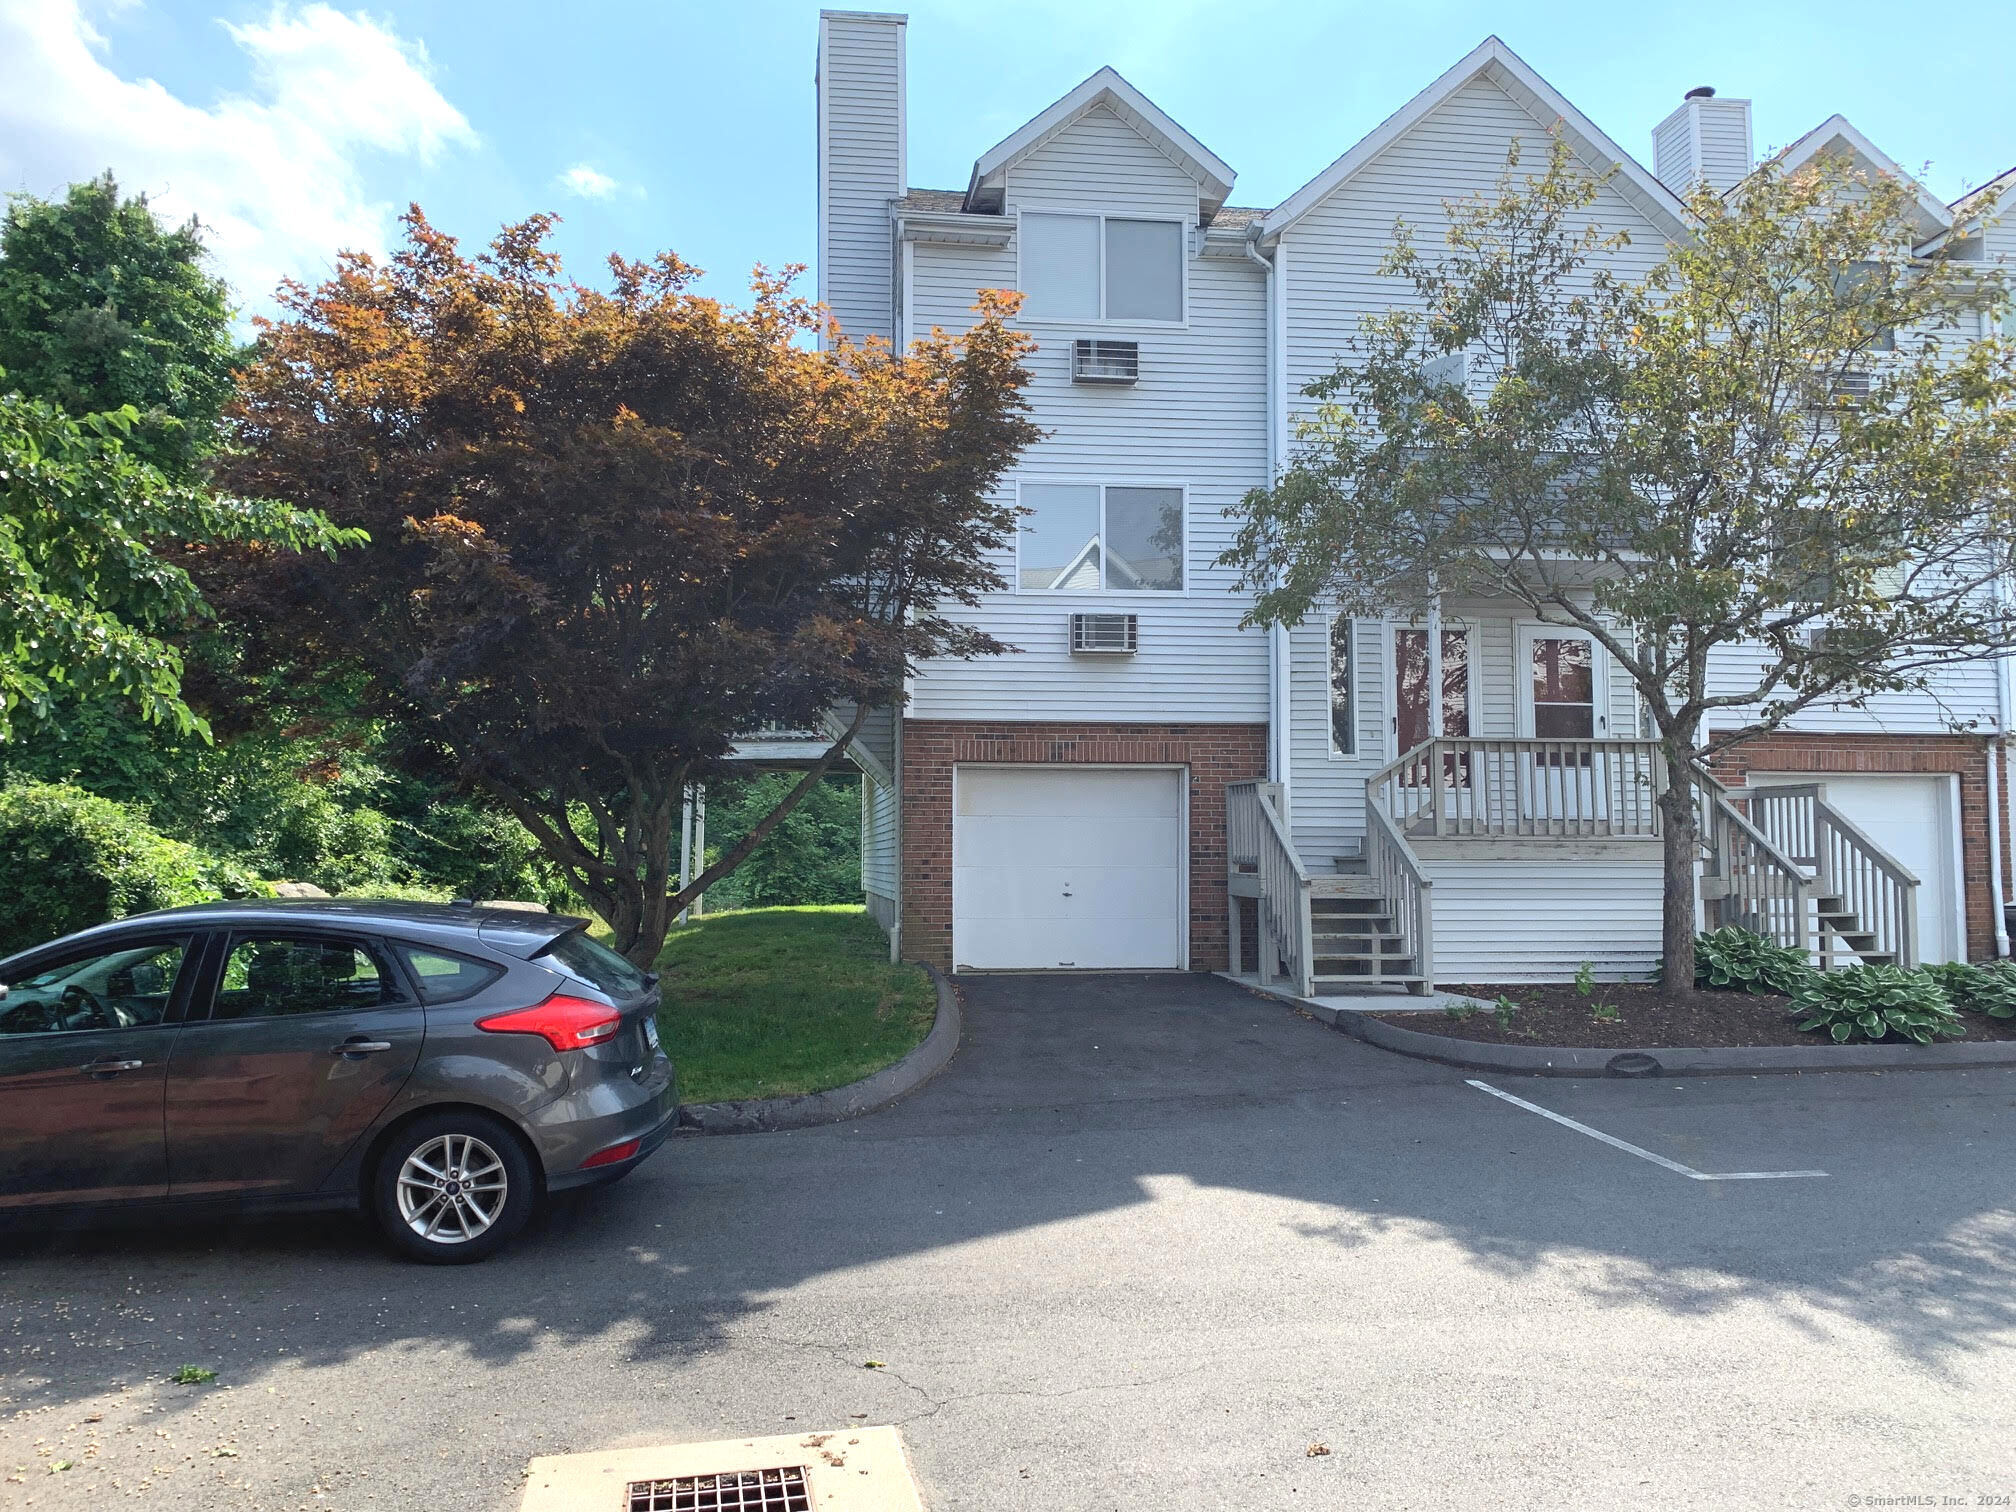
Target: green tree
85,595
813,856
102,306
1788,426
613,530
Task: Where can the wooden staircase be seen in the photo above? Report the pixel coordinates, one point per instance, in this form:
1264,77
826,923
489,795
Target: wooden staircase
1353,937
1839,922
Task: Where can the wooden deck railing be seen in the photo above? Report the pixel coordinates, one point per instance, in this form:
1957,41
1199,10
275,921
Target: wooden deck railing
1483,787
1878,892
1746,879
1257,843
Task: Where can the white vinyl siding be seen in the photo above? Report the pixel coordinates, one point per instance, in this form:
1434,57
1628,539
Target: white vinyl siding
1457,150
1197,416
1538,920
878,839
1327,788
860,168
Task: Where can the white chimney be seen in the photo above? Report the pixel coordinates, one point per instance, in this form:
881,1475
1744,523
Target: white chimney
862,166
1707,140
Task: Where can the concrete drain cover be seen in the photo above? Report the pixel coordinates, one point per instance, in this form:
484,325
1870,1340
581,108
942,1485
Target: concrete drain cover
848,1470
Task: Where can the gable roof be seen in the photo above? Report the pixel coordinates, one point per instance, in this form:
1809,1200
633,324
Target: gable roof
1107,88
1998,193
1494,61
1837,130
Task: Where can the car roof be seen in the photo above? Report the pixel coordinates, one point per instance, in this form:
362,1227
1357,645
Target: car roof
514,931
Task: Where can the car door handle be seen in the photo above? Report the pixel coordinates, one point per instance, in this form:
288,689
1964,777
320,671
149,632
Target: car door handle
110,1067
360,1047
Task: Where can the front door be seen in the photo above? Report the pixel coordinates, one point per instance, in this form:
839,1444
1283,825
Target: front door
84,1047
1412,709
1565,787
307,1037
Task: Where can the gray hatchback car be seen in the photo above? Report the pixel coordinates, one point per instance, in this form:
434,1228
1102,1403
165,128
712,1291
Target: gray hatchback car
444,1067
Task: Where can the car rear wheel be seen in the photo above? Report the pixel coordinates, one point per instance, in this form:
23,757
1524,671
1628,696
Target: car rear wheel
452,1188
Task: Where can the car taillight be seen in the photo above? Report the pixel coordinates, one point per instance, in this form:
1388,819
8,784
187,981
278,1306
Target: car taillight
613,1154
565,1023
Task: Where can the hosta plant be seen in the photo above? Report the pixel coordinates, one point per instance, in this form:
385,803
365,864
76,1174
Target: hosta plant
1737,960
1987,990
1877,1002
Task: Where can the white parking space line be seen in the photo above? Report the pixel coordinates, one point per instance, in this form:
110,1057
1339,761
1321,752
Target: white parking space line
1630,1149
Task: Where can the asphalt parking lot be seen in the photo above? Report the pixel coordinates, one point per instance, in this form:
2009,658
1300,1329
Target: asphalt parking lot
1144,1244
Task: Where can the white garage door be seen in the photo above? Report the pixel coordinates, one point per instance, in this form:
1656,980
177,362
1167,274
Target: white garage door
1062,867
1912,819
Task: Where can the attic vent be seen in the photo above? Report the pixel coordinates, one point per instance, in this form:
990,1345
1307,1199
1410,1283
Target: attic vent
1105,634
1450,367
1105,361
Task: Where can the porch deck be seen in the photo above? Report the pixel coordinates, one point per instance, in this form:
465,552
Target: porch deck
1781,862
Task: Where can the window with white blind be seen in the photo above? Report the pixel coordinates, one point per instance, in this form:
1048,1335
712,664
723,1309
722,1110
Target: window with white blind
1101,267
1100,538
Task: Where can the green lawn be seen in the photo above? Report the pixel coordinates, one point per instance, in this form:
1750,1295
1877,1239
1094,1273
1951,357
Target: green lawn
770,1002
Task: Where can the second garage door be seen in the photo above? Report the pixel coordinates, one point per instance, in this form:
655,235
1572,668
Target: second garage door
1067,867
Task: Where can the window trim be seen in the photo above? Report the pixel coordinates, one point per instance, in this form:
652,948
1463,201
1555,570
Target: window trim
402,951
1453,624
1102,216
390,968
1351,638
1124,595
195,943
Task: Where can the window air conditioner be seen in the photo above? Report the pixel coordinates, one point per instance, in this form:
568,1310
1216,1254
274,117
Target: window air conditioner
1105,634
1105,361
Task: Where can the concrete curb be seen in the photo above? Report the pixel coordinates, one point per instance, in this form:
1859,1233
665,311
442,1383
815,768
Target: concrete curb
761,1115
1563,1060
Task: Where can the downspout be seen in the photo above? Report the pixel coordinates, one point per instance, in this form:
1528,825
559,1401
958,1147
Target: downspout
1279,708
1996,895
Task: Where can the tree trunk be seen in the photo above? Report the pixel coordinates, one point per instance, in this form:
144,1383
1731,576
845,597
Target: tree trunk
1681,836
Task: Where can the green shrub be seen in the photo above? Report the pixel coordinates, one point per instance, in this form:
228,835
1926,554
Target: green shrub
69,860
1987,990
1737,960
1875,1002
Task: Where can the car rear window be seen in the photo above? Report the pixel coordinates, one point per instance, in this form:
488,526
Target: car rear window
445,977
596,964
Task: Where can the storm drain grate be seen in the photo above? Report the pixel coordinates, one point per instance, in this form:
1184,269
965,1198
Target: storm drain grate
781,1490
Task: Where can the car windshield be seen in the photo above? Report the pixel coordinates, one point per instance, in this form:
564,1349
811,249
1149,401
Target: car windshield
596,964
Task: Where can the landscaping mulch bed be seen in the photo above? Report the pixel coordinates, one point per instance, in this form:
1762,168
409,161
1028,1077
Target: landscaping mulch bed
1561,1015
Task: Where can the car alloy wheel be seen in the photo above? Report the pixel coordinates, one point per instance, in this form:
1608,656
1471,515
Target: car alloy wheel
452,1189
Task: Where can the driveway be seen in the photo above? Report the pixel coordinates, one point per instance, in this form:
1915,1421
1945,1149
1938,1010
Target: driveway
1145,1242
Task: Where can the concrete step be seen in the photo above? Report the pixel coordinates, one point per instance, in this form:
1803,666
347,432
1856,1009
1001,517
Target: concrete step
1322,981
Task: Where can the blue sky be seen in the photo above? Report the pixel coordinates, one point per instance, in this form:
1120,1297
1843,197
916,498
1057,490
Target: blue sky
298,128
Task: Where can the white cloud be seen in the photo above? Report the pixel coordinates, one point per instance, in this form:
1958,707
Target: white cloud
274,172
589,183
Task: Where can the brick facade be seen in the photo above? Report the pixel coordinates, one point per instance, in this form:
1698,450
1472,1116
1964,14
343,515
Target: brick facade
1214,754
1927,755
